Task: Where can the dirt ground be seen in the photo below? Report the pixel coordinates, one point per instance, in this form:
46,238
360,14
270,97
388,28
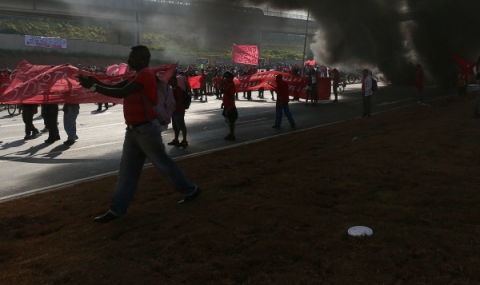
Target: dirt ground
276,212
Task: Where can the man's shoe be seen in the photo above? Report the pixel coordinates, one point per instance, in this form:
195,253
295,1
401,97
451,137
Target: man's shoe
52,140
107,217
44,130
35,133
276,127
293,126
27,137
184,143
174,142
69,142
192,196
229,138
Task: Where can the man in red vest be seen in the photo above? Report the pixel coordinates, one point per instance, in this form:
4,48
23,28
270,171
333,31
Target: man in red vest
282,103
143,135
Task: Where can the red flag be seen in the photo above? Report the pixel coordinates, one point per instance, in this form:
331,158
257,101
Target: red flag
310,62
41,84
245,54
194,82
466,66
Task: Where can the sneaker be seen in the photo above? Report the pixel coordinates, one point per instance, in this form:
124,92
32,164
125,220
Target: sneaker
184,143
192,196
174,142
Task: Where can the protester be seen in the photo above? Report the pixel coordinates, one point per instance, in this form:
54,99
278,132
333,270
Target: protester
313,75
28,110
336,82
143,135
419,84
282,103
51,119
178,117
229,109
367,93
99,109
462,81
70,113
476,109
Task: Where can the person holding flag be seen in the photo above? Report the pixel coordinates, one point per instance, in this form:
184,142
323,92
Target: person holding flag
143,134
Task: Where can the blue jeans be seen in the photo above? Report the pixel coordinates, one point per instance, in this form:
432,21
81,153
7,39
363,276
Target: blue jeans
279,113
140,143
70,119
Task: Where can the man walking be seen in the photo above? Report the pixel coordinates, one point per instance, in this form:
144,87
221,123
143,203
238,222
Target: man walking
336,82
28,110
178,116
367,93
70,114
143,135
229,109
419,84
282,103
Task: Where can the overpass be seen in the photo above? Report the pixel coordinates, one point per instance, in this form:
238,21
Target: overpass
127,19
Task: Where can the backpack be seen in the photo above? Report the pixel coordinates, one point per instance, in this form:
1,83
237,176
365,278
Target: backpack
165,103
374,85
187,99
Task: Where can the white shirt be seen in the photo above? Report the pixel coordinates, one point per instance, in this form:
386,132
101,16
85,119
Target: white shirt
368,86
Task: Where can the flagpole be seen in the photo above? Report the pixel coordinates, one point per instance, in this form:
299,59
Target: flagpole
305,44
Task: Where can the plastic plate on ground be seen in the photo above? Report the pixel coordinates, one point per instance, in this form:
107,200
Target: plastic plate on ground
359,231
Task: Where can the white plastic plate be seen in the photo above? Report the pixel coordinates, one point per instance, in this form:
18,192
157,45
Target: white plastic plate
359,231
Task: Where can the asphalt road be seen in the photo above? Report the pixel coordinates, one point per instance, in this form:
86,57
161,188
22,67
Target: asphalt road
31,166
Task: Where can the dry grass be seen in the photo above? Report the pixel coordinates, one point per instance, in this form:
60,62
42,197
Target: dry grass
276,212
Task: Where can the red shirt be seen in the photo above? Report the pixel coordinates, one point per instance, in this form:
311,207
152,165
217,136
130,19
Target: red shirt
133,108
179,99
336,78
282,92
229,96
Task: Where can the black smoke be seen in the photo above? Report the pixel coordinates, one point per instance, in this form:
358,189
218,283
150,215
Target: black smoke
394,35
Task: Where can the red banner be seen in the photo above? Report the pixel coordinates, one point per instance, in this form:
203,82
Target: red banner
194,82
245,54
42,84
297,85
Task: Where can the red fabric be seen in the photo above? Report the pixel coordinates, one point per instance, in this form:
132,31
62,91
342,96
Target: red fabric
194,82
229,96
282,93
466,66
133,108
245,54
310,62
179,99
42,84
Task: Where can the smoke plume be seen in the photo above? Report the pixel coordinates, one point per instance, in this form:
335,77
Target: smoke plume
394,35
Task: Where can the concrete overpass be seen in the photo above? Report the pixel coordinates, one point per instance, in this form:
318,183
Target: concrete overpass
127,19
